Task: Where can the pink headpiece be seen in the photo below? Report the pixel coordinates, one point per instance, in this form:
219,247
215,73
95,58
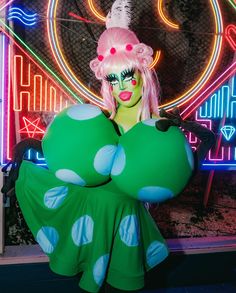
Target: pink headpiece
118,39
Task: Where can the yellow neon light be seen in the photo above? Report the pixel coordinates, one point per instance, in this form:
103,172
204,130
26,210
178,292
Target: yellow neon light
95,12
163,17
156,59
209,62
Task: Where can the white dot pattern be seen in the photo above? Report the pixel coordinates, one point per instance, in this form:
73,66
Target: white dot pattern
47,238
83,112
119,161
82,230
154,194
104,159
70,176
156,253
150,122
54,197
99,269
129,230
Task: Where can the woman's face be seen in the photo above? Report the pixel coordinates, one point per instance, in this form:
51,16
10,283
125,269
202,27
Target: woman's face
126,86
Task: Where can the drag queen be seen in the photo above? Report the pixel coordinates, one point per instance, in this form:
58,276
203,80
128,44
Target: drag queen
86,208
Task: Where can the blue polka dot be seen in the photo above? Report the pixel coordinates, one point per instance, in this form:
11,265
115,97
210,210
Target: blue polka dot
154,194
189,155
104,159
54,197
150,122
82,230
156,253
99,269
47,238
83,112
119,161
129,230
70,176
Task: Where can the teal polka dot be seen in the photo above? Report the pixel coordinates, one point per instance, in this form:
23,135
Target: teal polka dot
82,230
70,176
54,197
47,238
154,194
129,230
83,112
150,122
156,253
104,159
99,269
119,161
189,155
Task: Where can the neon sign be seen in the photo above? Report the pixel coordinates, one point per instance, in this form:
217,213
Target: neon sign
31,90
27,91
19,14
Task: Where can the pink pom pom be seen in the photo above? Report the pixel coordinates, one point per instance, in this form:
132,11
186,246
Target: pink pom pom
100,57
129,47
113,51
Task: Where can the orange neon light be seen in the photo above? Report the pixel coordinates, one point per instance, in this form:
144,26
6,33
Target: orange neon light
156,59
95,12
163,17
31,90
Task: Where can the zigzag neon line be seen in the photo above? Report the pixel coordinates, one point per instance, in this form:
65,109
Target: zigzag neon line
222,99
37,93
209,90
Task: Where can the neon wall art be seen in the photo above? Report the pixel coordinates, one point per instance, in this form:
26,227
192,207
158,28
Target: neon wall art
32,92
83,90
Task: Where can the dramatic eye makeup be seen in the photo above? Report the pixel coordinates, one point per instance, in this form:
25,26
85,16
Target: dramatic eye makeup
112,79
127,74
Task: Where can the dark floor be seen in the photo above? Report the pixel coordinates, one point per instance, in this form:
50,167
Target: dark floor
199,273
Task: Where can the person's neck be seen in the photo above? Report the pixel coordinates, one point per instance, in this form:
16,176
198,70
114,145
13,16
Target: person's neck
126,117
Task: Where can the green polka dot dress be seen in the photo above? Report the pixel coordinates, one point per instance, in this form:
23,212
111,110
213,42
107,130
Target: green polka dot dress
86,209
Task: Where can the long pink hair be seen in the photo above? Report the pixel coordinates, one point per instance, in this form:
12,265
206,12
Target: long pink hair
120,48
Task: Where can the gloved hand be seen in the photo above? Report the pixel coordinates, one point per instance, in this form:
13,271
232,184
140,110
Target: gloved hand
13,167
173,119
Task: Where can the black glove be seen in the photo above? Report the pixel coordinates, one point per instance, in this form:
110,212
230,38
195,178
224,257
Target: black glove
18,154
206,136
173,119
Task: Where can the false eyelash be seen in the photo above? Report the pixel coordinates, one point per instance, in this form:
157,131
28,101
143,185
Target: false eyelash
111,77
128,73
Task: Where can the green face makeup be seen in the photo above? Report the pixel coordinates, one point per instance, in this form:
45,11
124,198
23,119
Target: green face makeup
126,86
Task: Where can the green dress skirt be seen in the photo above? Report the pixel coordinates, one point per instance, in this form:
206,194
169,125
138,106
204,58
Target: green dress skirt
86,209
95,230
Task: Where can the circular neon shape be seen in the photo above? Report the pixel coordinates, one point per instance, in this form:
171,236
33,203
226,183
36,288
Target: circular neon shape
92,97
